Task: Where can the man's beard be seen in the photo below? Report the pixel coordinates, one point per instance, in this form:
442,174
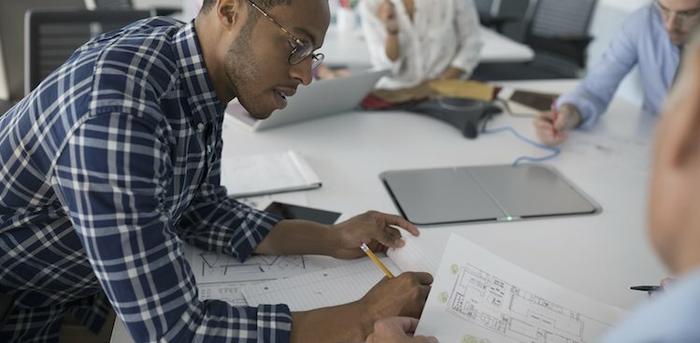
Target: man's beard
242,71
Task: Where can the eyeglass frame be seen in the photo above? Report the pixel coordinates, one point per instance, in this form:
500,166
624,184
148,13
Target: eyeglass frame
296,43
682,17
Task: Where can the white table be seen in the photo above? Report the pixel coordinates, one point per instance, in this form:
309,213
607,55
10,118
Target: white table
599,256
351,48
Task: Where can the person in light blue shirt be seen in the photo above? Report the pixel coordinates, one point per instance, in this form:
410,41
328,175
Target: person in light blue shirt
650,38
674,227
674,217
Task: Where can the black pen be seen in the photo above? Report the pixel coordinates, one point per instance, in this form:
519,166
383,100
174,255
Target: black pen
647,289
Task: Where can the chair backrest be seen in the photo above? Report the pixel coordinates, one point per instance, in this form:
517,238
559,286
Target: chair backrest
517,10
12,39
486,7
51,36
557,18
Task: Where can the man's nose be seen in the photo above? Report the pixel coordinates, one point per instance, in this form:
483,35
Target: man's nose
673,22
302,71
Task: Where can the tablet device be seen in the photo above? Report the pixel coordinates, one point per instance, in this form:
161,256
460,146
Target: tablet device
484,193
289,211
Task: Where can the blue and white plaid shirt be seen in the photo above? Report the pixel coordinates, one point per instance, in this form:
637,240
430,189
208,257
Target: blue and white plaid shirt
105,169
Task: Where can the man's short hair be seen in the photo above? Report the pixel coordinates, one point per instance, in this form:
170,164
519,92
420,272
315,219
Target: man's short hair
264,4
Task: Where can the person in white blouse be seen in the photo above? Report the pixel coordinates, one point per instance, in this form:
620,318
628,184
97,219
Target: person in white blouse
420,40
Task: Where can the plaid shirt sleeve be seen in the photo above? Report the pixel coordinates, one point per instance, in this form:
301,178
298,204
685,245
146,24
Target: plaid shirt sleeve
113,177
216,222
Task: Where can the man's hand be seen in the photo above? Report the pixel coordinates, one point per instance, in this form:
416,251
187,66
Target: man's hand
404,295
552,126
374,228
397,330
387,15
451,73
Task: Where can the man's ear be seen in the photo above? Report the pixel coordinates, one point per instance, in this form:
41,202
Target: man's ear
684,132
229,11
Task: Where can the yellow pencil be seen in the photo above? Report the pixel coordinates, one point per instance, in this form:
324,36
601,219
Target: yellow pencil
376,260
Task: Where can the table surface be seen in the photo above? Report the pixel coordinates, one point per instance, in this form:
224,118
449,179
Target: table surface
350,48
599,255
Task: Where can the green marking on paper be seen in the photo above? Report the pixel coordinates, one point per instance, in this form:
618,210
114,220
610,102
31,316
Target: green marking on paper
474,339
444,297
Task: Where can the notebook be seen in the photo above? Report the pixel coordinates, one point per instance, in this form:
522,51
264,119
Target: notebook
251,175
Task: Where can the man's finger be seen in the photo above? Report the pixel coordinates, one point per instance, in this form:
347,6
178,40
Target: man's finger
377,247
424,339
391,237
546,115
407,324
542,124
562,119
391,219
422,278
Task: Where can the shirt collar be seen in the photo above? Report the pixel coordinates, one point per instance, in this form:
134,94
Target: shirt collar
204,105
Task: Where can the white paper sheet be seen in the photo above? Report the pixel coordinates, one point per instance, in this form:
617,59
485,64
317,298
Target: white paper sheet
479,297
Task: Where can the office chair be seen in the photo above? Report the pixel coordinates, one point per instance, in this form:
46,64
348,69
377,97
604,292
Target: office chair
51,36
12,43
557,30
494,14
127,5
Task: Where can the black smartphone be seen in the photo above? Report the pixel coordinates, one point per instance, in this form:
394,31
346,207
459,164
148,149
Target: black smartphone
289,211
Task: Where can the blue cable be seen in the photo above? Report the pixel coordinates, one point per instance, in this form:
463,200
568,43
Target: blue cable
554,151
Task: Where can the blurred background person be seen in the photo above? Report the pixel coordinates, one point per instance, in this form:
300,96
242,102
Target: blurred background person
421,40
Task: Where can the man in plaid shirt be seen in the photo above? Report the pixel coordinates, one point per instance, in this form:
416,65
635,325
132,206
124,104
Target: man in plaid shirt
113,162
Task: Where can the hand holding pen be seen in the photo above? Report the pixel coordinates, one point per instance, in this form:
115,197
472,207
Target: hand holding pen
552,126
404,295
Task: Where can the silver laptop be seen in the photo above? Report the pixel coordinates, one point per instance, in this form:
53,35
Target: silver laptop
484,193
320,98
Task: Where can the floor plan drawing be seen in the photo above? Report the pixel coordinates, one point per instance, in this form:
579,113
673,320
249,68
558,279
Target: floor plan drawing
218,266
211,267
514,313
223,277
480,297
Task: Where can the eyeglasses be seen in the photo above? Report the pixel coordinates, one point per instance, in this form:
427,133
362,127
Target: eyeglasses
301,48
683,17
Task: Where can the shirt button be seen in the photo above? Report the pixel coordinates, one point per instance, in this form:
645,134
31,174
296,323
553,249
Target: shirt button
200,127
